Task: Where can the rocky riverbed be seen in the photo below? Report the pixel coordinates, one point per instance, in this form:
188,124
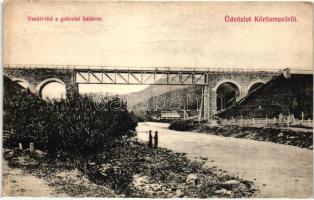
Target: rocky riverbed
130,169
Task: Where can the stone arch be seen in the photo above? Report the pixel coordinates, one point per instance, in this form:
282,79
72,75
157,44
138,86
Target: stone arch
44,83
227,92
254,85
227,81
22,82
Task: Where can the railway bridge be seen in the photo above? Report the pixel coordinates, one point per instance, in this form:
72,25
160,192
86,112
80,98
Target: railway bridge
242,81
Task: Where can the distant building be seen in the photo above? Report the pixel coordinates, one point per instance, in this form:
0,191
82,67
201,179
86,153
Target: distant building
169,115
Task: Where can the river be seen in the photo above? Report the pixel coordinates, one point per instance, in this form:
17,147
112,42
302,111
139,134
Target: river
277,170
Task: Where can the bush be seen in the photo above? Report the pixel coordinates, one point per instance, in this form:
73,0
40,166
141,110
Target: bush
182,125
73,125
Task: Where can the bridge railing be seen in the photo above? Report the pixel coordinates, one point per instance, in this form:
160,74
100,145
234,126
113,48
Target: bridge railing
301,71
211,69
262,122
152,68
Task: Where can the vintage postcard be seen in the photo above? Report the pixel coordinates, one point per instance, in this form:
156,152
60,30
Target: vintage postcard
157,99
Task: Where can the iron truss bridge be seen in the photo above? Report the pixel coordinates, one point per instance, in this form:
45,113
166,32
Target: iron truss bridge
152,76
141,77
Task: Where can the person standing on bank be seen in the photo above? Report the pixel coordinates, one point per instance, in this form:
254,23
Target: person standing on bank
150,140
156,140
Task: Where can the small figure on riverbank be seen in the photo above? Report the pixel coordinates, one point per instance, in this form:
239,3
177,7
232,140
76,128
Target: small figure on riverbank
150,139
156,140
280,118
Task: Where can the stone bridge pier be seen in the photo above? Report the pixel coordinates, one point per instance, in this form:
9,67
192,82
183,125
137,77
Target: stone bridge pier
241,83
37,79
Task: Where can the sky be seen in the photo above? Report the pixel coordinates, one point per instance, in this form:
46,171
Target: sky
158,34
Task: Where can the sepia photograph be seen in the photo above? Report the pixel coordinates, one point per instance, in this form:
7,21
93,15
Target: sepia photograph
157,99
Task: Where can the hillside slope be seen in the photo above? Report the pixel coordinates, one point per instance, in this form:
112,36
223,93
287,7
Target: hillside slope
280,95
13,93
147,93
176,99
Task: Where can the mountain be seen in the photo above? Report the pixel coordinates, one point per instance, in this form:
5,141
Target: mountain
178,99
153,90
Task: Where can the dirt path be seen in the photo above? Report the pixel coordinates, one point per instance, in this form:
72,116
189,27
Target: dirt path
17,183
277,170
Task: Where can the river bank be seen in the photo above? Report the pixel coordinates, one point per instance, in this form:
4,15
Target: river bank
277,170
298,138
130,169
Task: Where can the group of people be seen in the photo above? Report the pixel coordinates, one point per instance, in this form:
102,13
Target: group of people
150,140
287,119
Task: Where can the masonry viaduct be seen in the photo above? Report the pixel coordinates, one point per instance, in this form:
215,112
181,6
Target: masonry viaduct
36,78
